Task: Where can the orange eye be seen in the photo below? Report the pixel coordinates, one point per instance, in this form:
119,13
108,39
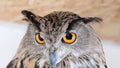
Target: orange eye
38,39
69,38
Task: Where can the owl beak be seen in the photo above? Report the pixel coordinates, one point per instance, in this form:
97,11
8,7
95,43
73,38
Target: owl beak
52,57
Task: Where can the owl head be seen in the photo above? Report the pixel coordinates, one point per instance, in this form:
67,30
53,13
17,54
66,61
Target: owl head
61,40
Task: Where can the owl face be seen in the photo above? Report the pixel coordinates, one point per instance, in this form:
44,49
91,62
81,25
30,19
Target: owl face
60,40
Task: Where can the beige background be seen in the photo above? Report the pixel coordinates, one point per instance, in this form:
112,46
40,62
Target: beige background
108,10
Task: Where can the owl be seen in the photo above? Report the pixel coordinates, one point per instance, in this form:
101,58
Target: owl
61,39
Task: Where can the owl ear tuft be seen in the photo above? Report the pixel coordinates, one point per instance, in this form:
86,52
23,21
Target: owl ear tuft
91,19
28,14
31,17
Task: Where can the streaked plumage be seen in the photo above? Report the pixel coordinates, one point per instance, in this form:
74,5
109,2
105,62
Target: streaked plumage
85,52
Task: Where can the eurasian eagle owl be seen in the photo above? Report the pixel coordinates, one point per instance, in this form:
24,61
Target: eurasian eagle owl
59,40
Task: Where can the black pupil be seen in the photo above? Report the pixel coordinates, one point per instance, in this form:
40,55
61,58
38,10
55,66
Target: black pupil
40,38
69,36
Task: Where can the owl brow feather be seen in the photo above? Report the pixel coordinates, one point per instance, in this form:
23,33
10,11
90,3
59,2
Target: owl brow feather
31,17
71,24
84,20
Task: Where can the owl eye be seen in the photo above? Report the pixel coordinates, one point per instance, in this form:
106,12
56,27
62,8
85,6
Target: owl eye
39,39
69,38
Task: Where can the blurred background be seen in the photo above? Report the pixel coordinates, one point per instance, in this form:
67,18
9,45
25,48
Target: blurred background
12,28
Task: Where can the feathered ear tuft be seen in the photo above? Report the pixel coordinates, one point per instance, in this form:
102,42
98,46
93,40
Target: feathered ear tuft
91,19
31,17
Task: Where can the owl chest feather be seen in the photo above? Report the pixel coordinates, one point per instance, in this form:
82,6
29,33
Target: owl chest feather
69,61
